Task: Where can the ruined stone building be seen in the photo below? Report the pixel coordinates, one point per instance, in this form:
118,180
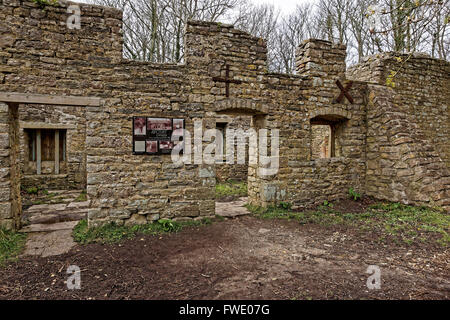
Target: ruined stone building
68,100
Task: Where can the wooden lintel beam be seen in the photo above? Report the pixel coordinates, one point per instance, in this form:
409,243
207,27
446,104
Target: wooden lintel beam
45,125
31,98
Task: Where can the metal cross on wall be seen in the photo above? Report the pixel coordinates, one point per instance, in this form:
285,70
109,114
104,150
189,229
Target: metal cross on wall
227,80
344,92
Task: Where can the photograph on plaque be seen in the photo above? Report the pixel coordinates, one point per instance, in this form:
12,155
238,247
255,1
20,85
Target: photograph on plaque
157,135
139,146
159,128
159,124
151,147
139,128
166,146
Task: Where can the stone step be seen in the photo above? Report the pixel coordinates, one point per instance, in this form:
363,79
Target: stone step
79,205
72,215
60,200
64,192
42,208
55,208
232,209
46,244
49,227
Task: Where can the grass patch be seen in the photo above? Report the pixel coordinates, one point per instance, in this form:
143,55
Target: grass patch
11,245
113,233
231,189
406,223
32,190
38,196
82,197
413,223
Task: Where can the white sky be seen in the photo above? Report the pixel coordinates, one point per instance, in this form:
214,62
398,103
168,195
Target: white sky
286,6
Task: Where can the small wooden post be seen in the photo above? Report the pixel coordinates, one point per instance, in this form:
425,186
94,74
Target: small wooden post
333,141
64,147
56,151
38,152
33,145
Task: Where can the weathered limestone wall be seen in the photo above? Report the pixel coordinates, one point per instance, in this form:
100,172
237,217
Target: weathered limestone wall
5,182
285,103
423,85
409,129
35,39
209,48
10,204
73,170
141,188
229,172
402,165
39,54
311,182
16,203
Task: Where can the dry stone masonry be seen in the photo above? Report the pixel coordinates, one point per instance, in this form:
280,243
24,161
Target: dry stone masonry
391,143
408,154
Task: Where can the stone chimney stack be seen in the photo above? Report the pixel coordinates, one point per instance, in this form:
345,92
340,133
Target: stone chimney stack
321,59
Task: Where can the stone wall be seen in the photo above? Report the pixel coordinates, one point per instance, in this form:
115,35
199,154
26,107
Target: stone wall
307,181
5,183
423,86
402,164
408,128
210,47
42,56
229,172
39,54
9,173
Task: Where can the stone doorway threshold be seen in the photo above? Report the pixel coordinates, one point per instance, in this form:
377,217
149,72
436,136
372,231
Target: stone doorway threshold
49,225
232,209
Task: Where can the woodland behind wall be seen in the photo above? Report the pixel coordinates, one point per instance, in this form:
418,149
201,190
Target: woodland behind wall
154,30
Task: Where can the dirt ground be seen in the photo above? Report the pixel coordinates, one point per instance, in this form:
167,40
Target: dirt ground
243,258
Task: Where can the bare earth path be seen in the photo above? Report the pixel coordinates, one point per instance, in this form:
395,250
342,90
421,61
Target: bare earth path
243,258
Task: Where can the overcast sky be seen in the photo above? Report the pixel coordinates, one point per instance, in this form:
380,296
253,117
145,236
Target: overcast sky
286,6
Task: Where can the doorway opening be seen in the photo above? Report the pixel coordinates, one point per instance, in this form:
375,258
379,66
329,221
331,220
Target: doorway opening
236,178
46,161
52,161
